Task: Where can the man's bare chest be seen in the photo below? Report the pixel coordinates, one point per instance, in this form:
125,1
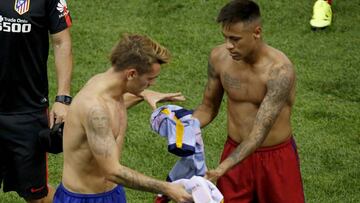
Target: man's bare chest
244,86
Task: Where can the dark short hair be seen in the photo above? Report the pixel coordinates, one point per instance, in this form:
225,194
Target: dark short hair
239,11
139,52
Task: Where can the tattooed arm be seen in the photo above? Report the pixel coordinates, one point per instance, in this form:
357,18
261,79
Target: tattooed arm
213,95
279,85
103,146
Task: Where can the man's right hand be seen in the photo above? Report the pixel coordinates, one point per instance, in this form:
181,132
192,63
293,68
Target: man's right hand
178,193
212,175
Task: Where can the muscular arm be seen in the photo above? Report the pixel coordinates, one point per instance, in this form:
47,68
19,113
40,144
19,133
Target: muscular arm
279,85
63,62
213,95
106,152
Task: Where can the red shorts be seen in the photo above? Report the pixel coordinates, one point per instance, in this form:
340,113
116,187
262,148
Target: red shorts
270,174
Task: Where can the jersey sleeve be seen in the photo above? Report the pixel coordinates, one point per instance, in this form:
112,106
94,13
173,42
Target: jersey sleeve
58,16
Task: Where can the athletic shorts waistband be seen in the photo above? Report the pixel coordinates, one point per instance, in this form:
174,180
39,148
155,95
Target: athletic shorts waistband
288,141
61,187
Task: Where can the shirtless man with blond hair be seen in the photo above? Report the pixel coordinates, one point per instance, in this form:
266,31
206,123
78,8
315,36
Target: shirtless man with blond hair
96,124
259,161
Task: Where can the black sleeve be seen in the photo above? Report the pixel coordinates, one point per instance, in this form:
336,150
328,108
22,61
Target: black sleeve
58,15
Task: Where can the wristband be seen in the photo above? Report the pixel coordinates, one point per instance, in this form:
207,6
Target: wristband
64,99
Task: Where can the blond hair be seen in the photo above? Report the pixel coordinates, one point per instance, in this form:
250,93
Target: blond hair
139,52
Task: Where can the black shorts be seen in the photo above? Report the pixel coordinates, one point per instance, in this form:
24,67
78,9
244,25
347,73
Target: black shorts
23,166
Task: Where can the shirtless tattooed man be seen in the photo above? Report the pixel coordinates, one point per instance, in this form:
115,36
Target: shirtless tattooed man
259,162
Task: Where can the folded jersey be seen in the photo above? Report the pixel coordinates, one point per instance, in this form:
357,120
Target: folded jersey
178,126
202,190
184,139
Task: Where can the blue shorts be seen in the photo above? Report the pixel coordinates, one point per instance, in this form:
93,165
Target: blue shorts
62,195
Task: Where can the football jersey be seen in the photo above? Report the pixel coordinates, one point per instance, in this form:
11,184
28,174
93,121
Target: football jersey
24,47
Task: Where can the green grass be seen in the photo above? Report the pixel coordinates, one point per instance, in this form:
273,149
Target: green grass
325,118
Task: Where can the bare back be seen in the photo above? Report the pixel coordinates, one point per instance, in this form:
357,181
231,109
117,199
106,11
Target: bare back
246,88
82,174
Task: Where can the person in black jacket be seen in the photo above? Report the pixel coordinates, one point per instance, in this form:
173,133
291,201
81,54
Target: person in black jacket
25,27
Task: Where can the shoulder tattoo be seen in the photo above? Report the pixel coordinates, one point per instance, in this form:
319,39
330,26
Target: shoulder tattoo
99,120
280,83
100,136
